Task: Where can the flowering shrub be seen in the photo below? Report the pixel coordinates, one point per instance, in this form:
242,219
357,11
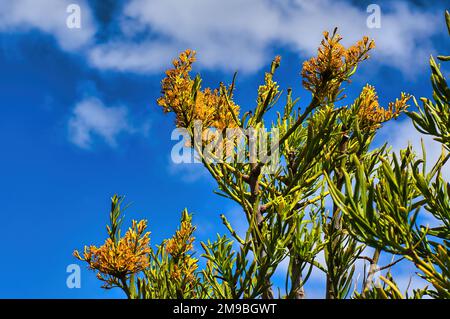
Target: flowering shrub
326,155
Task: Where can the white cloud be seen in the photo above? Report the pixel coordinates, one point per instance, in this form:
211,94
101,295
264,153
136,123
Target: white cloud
91,118
139,58
239,35
48,16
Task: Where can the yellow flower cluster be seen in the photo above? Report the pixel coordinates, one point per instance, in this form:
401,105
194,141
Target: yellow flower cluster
270,86
129,255
371,114
185,271
182,95
179,247
182,242
177,87
323,75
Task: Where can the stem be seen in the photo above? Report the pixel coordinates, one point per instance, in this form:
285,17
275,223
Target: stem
254,192
297,281
124,287
372,270
336,226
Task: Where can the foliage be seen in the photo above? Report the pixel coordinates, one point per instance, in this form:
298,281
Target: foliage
386,205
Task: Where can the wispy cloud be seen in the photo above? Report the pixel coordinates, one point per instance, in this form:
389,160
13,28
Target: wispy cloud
147,57
90,118
190,169
188,172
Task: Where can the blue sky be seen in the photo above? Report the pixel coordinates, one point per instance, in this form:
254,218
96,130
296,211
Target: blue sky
79,122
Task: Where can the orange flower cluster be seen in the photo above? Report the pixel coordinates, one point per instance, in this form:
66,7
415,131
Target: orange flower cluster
323,75
371,114
179,247
182,95
129,255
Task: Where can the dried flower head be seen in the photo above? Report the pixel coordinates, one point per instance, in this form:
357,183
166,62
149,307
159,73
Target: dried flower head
323,75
